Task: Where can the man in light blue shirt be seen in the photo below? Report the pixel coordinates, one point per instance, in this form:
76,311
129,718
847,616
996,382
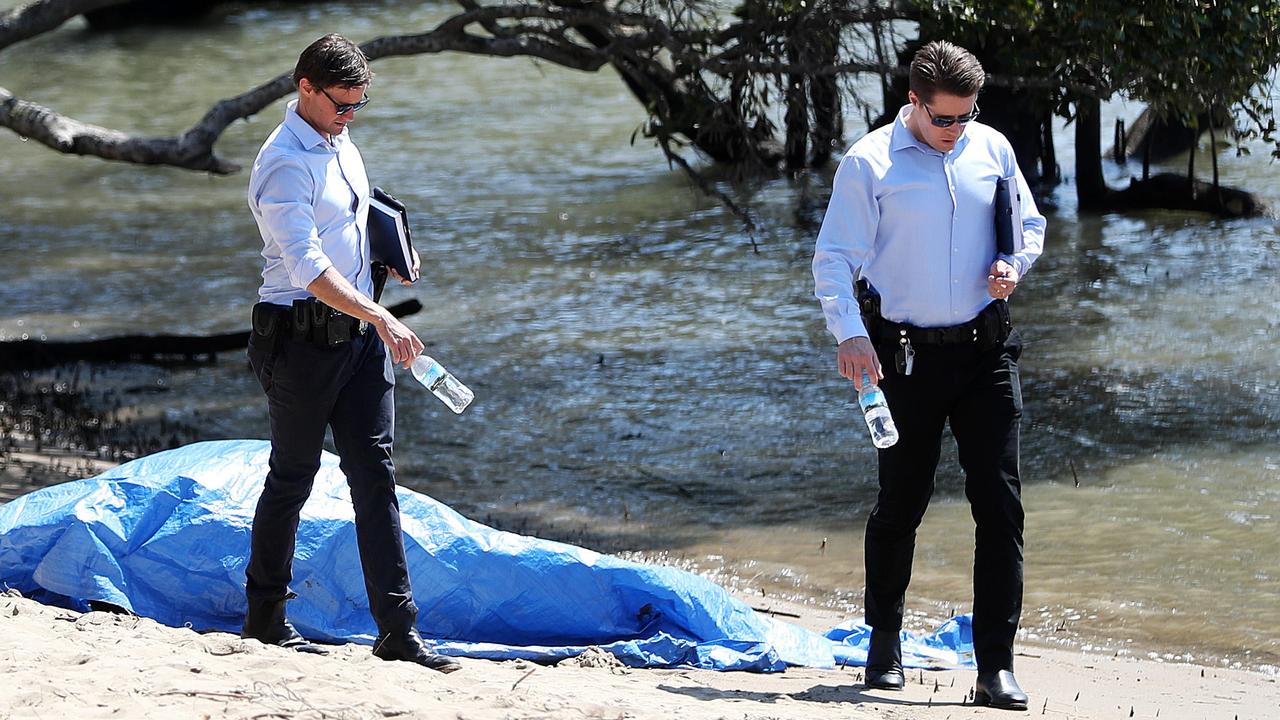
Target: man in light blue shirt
323,351
912,216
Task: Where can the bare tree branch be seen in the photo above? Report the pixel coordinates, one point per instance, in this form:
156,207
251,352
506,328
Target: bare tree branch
709,189
193,149
675,88
32,19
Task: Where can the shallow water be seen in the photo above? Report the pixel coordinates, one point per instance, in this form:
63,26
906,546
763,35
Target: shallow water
647,383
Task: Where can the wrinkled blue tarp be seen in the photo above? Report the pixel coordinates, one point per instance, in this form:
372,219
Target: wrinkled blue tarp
950,646
167,537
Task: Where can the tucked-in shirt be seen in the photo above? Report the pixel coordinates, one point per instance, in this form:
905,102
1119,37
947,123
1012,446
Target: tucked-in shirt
920,226
310,197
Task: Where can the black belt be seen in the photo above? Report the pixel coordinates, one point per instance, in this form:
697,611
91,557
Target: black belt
309,320
991,326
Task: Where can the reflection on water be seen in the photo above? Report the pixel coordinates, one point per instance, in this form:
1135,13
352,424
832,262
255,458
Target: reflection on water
644,381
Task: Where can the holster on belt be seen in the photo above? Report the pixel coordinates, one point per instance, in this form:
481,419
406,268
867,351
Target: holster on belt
869,307
378,273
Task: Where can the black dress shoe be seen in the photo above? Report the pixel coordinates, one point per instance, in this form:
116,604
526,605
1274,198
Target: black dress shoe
266,623
999,690
884,661
408,646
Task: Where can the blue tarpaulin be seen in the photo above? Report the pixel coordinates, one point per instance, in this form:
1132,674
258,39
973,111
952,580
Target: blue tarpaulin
167,537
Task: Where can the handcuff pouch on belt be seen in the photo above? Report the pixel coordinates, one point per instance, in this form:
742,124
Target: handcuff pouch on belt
266,321
323,326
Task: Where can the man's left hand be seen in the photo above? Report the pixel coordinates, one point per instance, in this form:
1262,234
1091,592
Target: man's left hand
416,265
1002,280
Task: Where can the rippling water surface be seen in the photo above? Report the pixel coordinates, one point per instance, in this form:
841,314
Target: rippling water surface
646,382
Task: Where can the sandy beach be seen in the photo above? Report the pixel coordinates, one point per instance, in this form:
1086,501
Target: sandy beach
58,663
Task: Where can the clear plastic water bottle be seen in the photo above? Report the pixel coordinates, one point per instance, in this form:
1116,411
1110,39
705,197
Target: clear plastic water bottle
435,378
876,410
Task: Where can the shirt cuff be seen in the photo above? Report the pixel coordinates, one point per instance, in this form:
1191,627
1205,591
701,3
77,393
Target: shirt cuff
1018,262
847,327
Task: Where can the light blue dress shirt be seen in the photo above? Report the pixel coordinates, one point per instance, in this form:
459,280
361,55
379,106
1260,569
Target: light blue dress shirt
311,200
921,226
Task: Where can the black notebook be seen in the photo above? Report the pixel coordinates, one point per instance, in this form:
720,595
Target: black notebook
1008,217
390,241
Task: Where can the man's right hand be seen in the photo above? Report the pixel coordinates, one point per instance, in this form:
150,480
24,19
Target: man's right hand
855,355
401,342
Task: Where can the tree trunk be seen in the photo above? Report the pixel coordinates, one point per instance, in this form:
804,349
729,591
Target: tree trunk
828,120
1091,185
1048,154
1191,171
797,100
824,96
1146,158
1213,154
1014,114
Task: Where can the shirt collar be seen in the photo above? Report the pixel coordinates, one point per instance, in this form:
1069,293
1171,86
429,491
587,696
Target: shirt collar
302,129
903,137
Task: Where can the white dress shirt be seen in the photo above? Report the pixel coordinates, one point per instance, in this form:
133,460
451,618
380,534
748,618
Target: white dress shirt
921,226
310,197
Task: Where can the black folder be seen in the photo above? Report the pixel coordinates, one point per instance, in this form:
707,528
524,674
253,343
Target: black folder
1008,217
390,241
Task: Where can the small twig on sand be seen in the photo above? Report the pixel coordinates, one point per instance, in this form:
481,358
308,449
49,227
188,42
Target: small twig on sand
770,611
522,677
209,694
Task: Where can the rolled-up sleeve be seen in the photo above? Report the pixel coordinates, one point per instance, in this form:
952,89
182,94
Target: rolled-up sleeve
284,200
1033,225
847,236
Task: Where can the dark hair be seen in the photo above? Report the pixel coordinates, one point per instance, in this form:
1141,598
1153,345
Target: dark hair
333,61
942,66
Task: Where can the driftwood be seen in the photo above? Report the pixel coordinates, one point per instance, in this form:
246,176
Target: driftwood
1176,192
153,349
1161,139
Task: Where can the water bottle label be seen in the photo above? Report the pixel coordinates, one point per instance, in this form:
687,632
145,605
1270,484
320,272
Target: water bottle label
433,375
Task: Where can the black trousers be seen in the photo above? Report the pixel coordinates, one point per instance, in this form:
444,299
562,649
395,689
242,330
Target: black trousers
977,391
348,388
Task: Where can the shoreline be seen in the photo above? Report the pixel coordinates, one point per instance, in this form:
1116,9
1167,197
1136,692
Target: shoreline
26,465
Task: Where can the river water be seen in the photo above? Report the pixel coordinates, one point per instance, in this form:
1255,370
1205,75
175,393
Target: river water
648,384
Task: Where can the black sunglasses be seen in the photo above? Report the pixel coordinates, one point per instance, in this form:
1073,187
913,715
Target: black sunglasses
945,121
344,108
